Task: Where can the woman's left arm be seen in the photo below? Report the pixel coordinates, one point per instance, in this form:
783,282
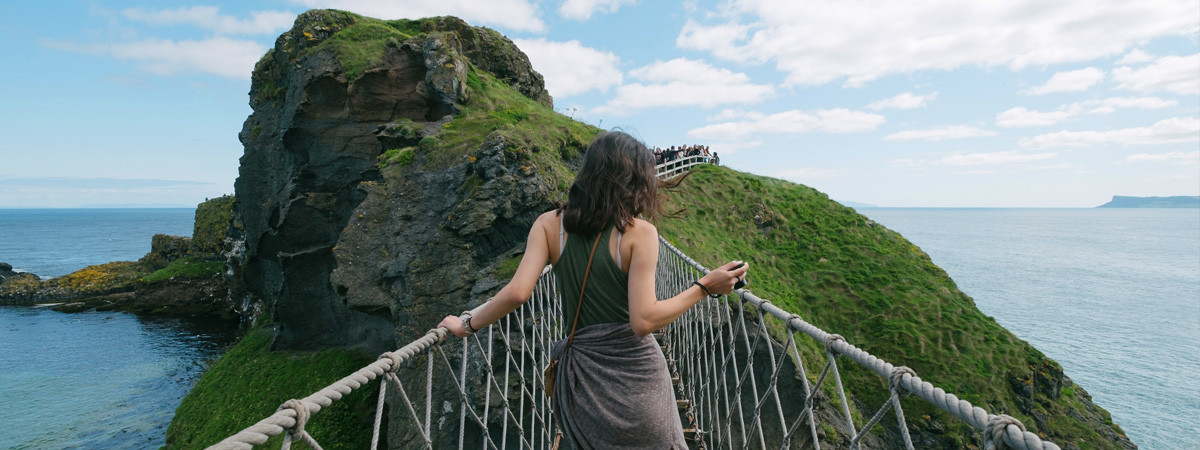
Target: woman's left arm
518,290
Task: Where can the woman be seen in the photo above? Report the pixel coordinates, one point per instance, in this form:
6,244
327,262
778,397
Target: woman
612,387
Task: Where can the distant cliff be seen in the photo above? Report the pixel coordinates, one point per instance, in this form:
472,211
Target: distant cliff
179,275
1180,201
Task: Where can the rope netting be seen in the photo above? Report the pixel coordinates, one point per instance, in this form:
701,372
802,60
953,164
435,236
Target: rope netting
725,367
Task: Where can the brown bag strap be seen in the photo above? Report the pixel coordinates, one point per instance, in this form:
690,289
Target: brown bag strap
584,287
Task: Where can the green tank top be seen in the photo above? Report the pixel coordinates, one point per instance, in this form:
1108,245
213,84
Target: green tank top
607,296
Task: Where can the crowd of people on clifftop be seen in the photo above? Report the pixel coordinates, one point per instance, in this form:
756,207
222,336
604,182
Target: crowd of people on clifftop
673,153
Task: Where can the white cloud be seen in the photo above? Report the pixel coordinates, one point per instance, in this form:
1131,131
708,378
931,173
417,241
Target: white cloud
1070,81
937,134
993,158
820,41
907,100
731,147
520,15
684,82
728,114
838,120
218,55
1022,117
1186,157
1167,131
807,173
1136,56
570,68
1109,105
583,9
210,17
1178,74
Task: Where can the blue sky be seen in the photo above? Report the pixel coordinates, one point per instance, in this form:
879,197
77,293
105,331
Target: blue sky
1023,103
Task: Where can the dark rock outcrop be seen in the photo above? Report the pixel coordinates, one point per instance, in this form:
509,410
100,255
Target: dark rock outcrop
17,288
181,297
166,248
328,247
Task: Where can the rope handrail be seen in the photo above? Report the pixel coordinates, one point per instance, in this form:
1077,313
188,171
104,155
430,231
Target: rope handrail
721,400
1000,431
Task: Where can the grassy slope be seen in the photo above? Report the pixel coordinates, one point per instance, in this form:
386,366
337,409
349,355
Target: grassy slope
249,382
821,260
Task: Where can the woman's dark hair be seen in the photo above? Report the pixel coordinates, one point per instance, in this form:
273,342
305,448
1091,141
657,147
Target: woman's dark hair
616,183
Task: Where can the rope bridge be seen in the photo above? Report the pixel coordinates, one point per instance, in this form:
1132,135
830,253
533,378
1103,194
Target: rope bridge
725,401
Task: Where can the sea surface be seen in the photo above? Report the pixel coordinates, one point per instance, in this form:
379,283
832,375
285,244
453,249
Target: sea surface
1111,294
54,242
94,380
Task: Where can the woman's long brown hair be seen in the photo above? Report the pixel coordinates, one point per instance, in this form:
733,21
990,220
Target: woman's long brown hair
616,183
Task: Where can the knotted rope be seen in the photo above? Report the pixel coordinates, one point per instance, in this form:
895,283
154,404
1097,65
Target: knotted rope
997,429
297,431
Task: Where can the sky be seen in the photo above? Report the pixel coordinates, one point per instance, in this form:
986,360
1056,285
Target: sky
1021,103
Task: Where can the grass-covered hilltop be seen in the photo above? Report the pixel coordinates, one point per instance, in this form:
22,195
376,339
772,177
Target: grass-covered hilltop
392,170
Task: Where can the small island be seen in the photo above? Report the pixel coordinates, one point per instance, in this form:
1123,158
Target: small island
1179,201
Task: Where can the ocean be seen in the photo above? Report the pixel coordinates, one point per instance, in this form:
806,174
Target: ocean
1111,294
94,380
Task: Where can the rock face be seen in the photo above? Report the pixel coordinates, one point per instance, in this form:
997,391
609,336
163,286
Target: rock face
336,253
17,288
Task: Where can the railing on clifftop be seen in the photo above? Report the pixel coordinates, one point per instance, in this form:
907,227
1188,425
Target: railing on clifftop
498,401
679,166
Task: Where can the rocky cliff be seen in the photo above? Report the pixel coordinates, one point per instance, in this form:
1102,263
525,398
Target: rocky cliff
391,167
352,192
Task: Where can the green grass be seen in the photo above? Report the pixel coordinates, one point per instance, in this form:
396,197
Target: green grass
536,134
821,260
507,268
397,156
186,268
211,226
249,382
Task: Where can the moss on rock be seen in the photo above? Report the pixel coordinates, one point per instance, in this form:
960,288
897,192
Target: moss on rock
211,227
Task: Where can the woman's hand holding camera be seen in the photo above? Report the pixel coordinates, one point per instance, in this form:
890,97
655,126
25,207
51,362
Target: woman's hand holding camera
726,278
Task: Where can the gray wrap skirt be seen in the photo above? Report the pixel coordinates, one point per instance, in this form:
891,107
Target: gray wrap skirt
612,390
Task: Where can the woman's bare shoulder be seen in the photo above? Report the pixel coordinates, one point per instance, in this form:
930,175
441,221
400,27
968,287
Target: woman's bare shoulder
641,229
547,217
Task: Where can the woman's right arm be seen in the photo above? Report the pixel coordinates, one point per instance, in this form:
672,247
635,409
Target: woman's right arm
519,289
646,313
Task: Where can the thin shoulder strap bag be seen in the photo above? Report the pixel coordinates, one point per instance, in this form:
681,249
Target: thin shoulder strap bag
552,369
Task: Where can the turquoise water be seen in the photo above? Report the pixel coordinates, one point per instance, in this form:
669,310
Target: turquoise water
1111,294
95,380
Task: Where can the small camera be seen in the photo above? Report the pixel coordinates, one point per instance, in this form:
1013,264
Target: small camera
742,282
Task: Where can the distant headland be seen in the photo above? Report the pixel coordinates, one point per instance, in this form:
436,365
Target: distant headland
1179,201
